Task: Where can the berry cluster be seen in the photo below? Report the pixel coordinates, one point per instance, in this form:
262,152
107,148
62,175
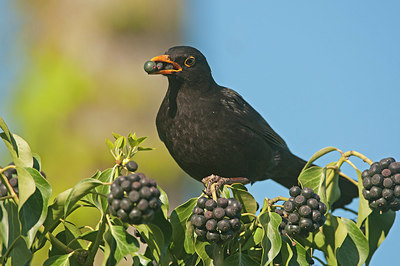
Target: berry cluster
151,66
216,221
382,185
134,198
12,177
302,213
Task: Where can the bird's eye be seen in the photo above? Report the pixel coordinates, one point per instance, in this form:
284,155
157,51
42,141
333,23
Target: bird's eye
189,61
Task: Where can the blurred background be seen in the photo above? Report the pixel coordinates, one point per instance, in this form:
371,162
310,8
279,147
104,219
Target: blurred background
321,73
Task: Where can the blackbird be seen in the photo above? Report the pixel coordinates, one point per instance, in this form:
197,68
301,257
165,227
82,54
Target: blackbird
215,135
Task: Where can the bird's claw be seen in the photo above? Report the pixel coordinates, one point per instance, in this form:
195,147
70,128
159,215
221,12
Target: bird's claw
215,182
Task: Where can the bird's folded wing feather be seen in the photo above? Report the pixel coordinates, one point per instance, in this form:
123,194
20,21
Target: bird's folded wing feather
249,117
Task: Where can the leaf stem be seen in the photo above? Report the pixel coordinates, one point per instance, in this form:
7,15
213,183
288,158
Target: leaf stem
95,245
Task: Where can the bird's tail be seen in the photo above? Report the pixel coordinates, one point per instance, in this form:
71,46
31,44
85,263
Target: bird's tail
290,171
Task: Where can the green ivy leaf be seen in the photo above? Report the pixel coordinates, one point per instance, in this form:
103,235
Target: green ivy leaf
363,207
204,250
79,191
377,227
120,244
254,239
178,218
332,184
99,201
109,144
20,254
354,250
155,240
164,201
249,204
120,142
26,185
19,149
33,213
319,154
60,260
271,241
331,237
240,259
293,255
314,177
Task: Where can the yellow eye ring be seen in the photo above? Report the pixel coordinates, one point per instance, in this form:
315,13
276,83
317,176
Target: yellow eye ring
189,61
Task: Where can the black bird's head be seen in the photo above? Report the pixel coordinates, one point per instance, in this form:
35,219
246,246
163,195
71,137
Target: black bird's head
180,62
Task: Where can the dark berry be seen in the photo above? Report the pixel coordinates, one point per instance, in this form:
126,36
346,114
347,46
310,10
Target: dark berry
386,162
210,204
316,196
150,66
294,191
198,210
122,215
201,202
145,193
200,232
366,194
109,197
115,204
10,172
155,192
387,182
299,200
375,192
231,212
136,185
396,179
386,172
294,217
307,192
135,216
396,191
289,206
236,204
316,215
143,205
364,174
387,193
394,167
126,185
227,236
306,224
374,169
367,182
3,190
144,181
381,202
373,204
322,208
222,202
395,204
279,211
313,203
134,196
224,225
131,166
322,221
120,179
305,211
292,229
208,215
213,237
218,213
198,220
235,224
13,182
133,177
154,203
377,180
126,205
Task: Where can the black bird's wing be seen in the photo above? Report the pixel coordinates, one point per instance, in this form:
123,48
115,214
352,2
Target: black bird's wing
250,118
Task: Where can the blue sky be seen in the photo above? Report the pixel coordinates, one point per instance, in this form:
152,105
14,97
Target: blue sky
322,73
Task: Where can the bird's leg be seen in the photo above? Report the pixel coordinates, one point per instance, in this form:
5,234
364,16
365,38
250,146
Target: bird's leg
220,181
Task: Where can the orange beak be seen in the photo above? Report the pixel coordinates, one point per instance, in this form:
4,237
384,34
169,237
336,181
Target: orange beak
166,59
